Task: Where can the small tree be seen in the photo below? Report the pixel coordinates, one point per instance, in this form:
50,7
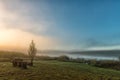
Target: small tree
32,52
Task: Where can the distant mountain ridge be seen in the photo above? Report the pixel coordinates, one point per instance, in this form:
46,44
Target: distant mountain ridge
100,52
97,52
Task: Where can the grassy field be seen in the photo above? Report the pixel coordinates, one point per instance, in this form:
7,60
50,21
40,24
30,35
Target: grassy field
55,70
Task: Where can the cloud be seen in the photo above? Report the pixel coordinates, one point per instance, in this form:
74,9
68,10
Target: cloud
23,16
115,47
18,29
93,44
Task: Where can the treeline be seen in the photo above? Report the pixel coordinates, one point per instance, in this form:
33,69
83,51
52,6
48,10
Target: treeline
111,64
6,56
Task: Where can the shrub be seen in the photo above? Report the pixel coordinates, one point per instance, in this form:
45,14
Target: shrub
63,58
108,64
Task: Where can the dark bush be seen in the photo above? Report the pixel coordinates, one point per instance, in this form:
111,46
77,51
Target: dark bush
108,64
63,58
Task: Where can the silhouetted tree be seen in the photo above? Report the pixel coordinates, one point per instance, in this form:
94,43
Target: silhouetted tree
32,52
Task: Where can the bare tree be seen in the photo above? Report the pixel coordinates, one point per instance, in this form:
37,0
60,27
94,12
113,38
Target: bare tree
32,52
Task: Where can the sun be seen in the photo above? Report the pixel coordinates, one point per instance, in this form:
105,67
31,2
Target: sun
4,36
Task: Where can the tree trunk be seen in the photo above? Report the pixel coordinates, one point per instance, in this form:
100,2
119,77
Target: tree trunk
31,63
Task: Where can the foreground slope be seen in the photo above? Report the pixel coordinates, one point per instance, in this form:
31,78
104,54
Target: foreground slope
55,70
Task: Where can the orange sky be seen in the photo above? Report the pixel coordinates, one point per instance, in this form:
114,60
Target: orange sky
18,39
16,36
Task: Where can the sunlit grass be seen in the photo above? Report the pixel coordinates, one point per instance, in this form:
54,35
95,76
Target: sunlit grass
55,70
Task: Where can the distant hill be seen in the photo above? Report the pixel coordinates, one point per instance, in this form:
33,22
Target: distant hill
96,53
99,52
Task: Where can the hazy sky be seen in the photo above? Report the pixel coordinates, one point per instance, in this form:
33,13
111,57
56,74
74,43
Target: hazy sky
60,24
